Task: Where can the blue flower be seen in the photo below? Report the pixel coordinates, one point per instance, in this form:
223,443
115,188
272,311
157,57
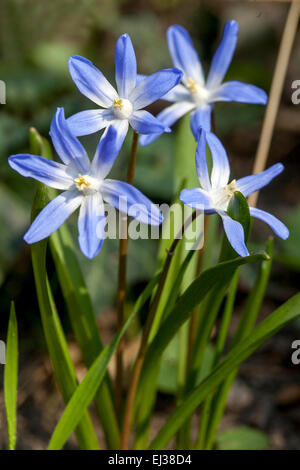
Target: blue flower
125,106
195,94
216,191
84,185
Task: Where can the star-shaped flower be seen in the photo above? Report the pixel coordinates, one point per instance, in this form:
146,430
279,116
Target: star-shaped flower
216,191
195,94
125,105
84,185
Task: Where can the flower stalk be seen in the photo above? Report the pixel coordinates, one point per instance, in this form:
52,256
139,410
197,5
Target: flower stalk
146,332
122,278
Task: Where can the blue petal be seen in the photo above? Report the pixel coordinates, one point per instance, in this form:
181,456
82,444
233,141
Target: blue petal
178,93
128,199
240,92
91,82
235,234
168,117
125,62
201,162
196,198
53,216
88,122
154,87
201,118
221,169
106,153
91,225
67,146
183,53
46,171
276,225
121,128
252,183
145,123
223,55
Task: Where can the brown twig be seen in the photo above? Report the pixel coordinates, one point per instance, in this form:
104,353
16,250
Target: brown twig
282,62
122,279
144,341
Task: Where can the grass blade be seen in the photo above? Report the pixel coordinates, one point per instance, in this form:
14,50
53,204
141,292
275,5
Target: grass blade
85,392
11,378
265,330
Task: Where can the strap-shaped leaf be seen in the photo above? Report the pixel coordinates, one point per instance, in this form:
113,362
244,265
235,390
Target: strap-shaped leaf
79,305
271,325
185,305
11,378
87,389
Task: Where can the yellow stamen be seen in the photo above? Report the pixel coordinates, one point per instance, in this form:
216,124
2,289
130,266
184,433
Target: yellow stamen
118,103
192,85
81,182
231,188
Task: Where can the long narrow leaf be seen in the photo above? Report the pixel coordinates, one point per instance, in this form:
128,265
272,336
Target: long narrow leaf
85,392
185,305
265,330
11,378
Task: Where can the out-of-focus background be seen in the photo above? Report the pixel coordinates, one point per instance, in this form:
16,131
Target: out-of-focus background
36,40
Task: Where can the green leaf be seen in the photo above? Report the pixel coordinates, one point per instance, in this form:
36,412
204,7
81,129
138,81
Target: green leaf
242,438
11,378
54,335
265,330
247,322
84,325
85,392
79,305
185,305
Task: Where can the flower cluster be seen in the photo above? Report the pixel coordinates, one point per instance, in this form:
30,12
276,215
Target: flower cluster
84,182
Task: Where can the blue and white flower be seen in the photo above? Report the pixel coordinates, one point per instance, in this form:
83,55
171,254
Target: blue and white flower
84,185
217,190
125,105
195,94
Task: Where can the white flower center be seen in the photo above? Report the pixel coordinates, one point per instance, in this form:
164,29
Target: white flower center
122,108
222,196
87,183
199,94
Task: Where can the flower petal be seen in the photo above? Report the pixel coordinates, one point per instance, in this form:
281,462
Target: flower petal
67,146
106,153
223,55
128,199
178,93
239,92
121,128
91,82
154,87
183,53
168,117
125,62
252,183
220,170
46,171
91,225
90,121
53,216
276,225
196,198
145,123
235,234
201,162
201,117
